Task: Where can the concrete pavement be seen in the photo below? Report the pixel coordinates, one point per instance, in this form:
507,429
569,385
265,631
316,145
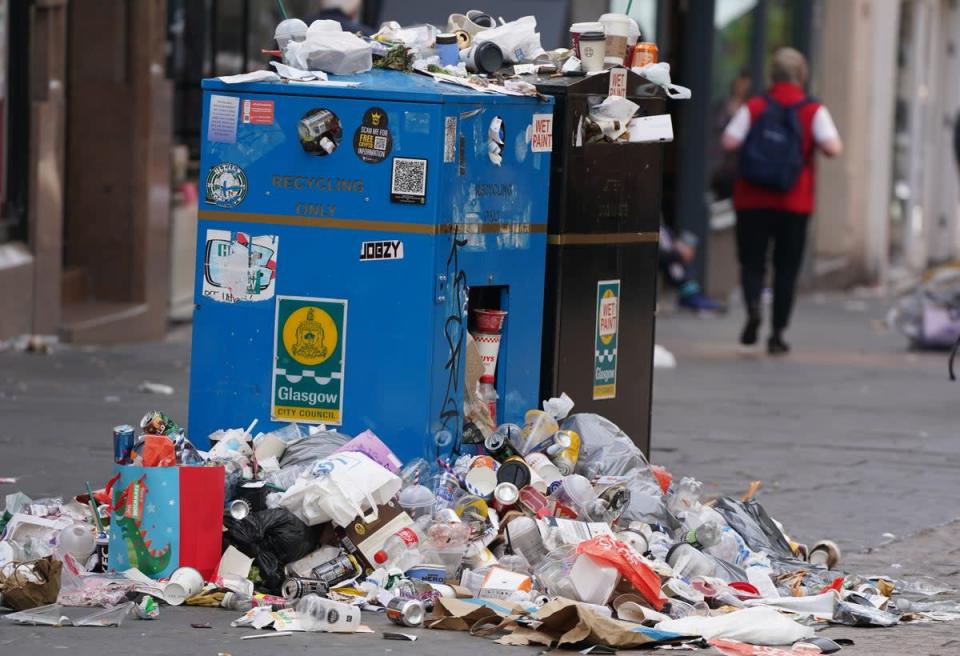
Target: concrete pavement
853,436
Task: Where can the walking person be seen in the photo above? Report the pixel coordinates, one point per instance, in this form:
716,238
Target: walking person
778,135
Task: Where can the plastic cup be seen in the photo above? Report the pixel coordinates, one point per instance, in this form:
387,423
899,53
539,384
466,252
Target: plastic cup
576,493
417,500
446,489
291,29
451,559
538,426
548,472
184,583
489,321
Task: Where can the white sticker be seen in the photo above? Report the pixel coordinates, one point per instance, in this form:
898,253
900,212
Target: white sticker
222,119
391,249
449,139
618,82
648,129
542,139
238,267
408,183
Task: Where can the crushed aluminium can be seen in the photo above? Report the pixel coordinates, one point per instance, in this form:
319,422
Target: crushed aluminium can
405,612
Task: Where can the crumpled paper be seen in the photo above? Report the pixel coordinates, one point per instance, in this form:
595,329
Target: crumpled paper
565,622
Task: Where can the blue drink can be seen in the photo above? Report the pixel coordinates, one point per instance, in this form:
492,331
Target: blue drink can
123,439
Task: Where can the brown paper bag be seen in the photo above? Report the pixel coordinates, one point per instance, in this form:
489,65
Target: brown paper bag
565,622
460,615
32,584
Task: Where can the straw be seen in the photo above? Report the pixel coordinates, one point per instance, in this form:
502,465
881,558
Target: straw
627,12
283,10
93,507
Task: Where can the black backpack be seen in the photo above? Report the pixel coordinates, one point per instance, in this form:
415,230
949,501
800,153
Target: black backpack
772,154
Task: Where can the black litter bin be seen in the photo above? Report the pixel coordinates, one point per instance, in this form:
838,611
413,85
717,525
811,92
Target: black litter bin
601,278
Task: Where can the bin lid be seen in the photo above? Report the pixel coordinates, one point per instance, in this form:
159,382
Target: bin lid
599,83
378,84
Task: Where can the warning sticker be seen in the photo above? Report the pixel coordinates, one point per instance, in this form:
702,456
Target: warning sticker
222,119
257,112
605,340
618,82
541,141
238,267
372,141
310,337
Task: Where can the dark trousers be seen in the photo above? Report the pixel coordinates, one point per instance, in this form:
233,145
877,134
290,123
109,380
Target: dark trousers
788,232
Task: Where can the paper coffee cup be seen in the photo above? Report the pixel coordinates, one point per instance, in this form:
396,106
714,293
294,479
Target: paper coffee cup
579,28
617,28
488,345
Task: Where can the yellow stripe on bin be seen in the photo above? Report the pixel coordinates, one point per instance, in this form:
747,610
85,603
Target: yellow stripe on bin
372,225
581,239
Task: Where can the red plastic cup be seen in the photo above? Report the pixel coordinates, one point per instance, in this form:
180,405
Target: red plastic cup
489,321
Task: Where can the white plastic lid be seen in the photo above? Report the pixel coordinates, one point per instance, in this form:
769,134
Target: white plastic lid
291,28
594,26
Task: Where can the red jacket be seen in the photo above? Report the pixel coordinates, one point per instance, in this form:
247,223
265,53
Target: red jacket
800,199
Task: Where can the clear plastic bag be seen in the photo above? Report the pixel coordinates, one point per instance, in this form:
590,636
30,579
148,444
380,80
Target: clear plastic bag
49,615
110,616
308,450
608,451
339,53
518,40
850,613
751,521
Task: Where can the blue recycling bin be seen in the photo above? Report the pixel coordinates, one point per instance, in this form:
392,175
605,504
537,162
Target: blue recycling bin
342,231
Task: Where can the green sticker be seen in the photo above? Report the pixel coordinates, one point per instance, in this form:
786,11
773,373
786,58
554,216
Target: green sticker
606,338
309,344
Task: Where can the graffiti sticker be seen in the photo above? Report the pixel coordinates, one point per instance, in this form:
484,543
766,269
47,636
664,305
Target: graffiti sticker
238,267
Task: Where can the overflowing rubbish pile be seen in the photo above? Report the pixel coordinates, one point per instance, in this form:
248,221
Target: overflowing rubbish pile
471,50
556,532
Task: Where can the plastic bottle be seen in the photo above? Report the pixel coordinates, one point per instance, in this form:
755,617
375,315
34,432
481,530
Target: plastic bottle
402,549
686,497
705,535
730,547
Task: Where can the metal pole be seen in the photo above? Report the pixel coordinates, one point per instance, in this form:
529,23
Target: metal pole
696,72
758,47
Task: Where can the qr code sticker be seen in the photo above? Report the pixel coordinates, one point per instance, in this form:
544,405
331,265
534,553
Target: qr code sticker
380,143
409,181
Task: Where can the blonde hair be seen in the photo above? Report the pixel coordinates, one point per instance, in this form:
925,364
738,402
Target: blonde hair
788,65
